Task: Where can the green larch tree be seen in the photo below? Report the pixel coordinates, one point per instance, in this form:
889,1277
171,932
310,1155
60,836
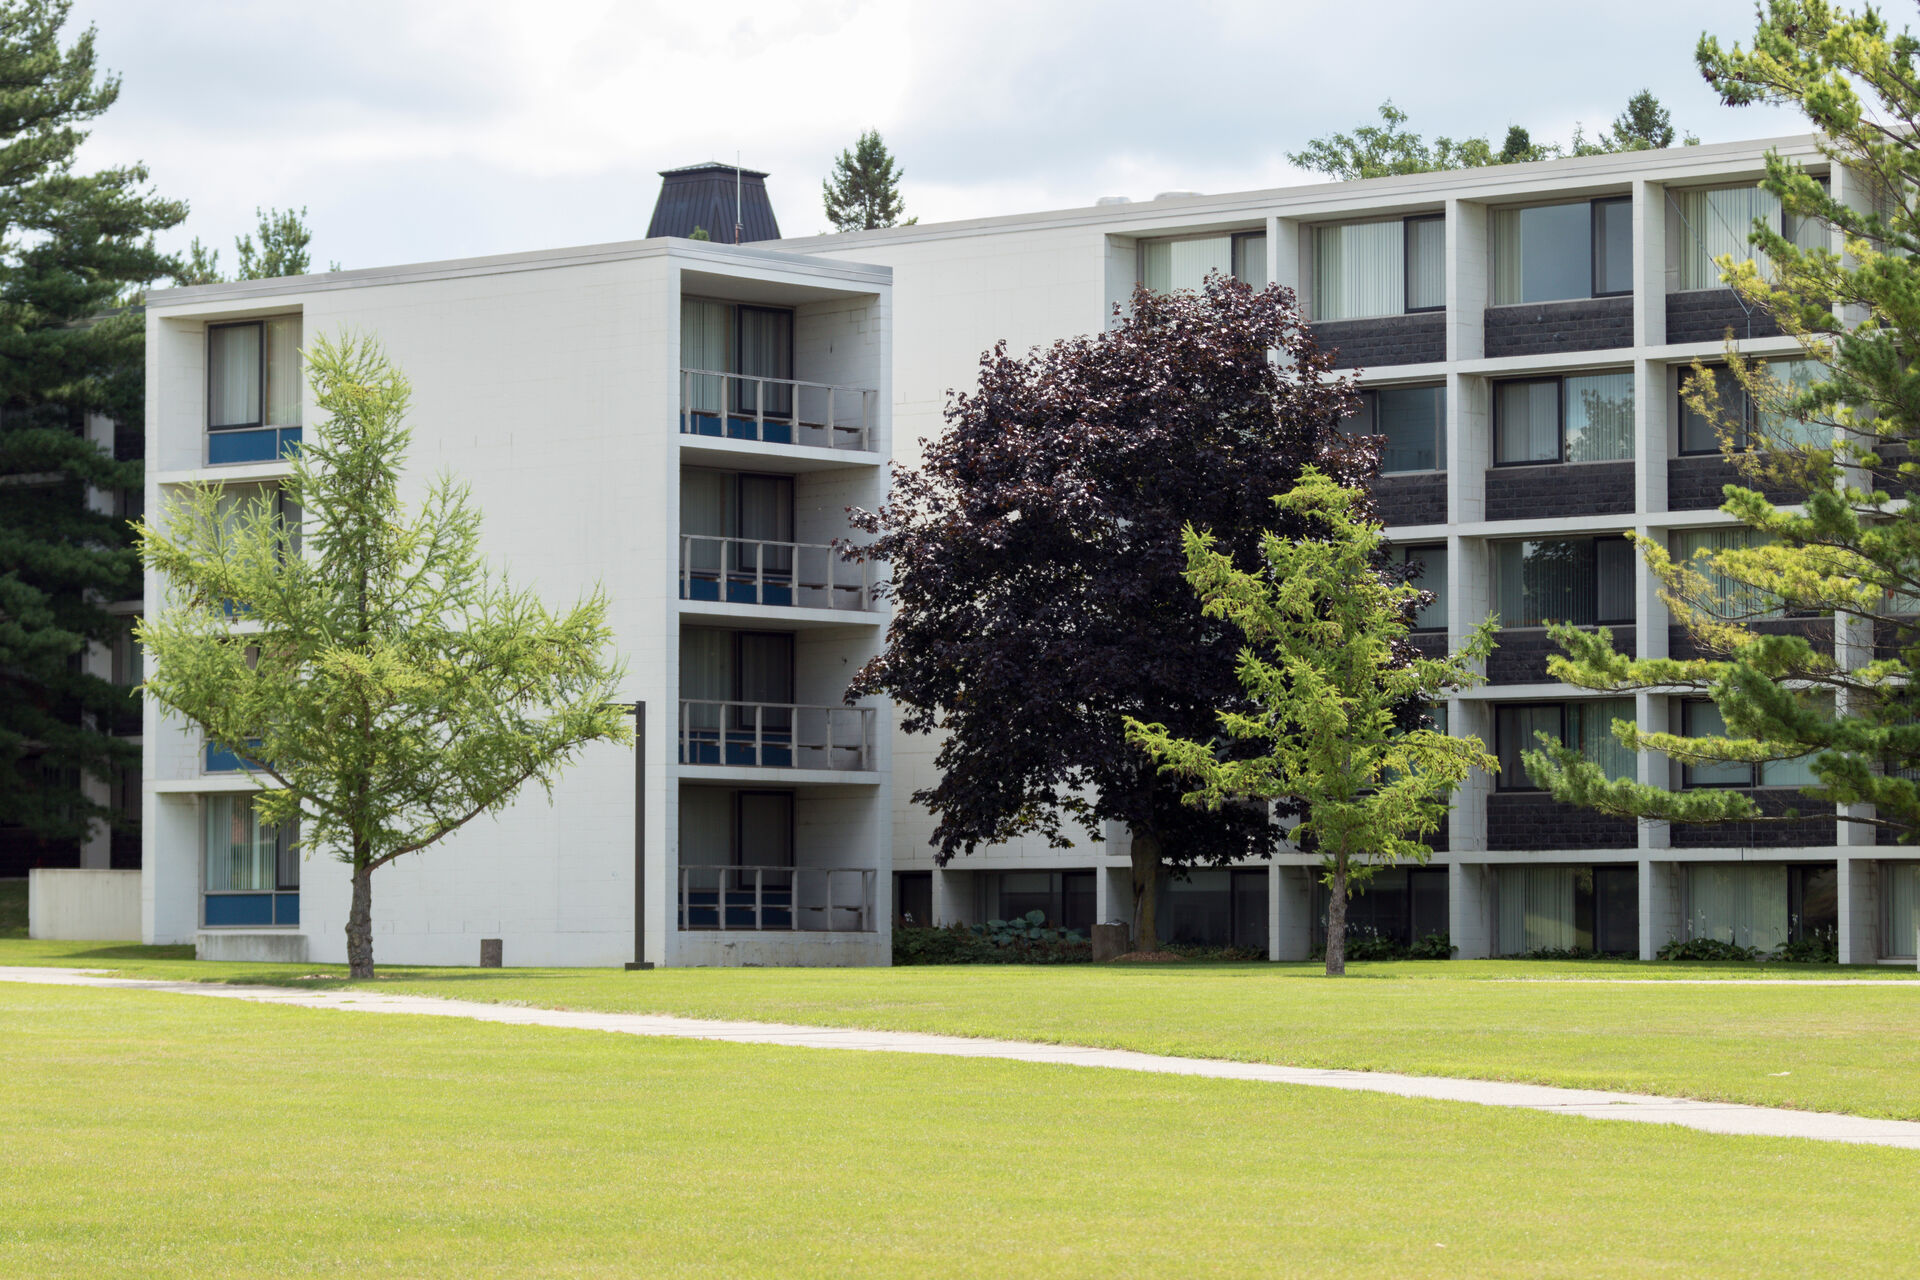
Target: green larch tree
864,190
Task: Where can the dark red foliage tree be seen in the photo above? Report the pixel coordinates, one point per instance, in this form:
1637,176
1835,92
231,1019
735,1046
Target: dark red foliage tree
1037,578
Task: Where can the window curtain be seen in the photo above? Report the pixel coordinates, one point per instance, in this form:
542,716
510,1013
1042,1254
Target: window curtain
766,351
1432,562
1166,265
1725,595
1703,720
1536,908
1795,378
1515,733
1542,254
1707,224
233,376
1414,422
706,343
286,840
766,515
241,854
706,829
1527,416
286,389
1613,562
1600,417
706,673
1698,434
1250,260
1359,270
1426,263
1540,582
1903,897
1741,903
1590,730
703,510
766,831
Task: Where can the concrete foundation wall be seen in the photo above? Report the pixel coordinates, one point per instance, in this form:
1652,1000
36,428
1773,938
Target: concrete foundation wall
68,904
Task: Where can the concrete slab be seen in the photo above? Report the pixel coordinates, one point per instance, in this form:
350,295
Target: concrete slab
1595,1104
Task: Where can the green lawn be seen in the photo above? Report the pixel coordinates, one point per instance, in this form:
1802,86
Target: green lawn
150,1134
1853,1048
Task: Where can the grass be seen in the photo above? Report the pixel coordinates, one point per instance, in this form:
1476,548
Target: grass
1851,1049
13,908
153,1134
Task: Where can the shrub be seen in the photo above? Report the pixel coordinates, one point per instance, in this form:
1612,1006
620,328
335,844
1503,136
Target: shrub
1435,946
1366,944
1568,953
1025,940
1706,949
1195,951
1823,947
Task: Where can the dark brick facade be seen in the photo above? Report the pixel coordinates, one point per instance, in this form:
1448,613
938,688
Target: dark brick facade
1523,652
1696,483
1535,820
1560,489
1431,644
1418,497
1891,635
1818,631
1420,338
1816,826
1705,315
1541,328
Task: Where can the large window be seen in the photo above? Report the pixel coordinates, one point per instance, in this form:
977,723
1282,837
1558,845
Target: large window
1576,908
1584,581
1427,569
756,343
1703,225
1724,596
1901,914
1401,904
254,390
1586,726
1365,269
739,539
252,870
1761,904
1699,718
1413,421
1754,428
1185,263
1554,252
1216,908
1580,418
1065,898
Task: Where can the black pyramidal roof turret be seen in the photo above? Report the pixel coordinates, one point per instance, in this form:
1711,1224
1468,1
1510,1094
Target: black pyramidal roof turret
702,195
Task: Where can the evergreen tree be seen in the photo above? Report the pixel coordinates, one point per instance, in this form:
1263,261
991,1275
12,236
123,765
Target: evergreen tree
75,248
1644,126
864,191
280,251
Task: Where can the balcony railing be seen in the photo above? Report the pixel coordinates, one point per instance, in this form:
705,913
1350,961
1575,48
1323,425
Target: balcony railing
784,899
738,406
776,735
751,571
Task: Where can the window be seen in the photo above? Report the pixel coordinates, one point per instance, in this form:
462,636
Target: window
252,870
1556,252
1428,571
1725,596
1760,904
1702,719
1581,418
1753,428
1216,908
1703,225
755,343
1584,581
742,680
1587,726
1064,898
913,899
1901,913
1413,421
1166,265
254,390
1365,269
737,542
1581,908
722,829
1400,904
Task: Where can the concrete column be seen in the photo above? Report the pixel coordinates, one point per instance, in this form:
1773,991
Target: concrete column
1650,265
1470,909
1113,895
1660,906
1467,279
1467,822
1290,912
1859,941
1653,711
1469,447
1283,256
954,899
1651,403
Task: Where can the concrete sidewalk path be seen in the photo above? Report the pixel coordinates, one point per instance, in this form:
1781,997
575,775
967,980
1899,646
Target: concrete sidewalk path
1709,1117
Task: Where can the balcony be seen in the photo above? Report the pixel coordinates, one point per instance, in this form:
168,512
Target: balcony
777,899
766,735
784,574
735,406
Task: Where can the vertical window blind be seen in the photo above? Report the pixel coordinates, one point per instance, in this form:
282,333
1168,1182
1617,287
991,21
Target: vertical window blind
1726,596
1599,417
1359,270
1704,225
1741,903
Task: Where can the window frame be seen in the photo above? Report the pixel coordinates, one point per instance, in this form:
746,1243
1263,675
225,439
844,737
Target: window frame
1500,782
1595,253
1370,397
1560,424
1233,238
1593,541
1406,262
260,377
1403,552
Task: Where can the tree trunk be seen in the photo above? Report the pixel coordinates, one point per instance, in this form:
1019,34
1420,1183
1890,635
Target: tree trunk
1146,890
360,922
1337,919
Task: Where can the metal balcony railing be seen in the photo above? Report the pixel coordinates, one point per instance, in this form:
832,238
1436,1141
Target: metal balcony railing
739,406
776,735
784,899
753,571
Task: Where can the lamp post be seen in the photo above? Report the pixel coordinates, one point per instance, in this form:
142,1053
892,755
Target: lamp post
639,961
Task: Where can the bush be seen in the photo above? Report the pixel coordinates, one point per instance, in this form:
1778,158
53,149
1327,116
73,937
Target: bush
1365,944
1025,940
1822,948
1706,949
1195,951
1435,946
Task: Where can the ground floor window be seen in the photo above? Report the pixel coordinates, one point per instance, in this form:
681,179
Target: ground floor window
1900,892
1762,905
912,898
1400,904
1065,898
1572,908
252,869
1216,907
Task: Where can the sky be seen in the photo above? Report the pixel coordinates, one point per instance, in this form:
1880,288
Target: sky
414,130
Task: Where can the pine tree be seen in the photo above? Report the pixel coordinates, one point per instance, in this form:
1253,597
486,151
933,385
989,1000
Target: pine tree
864,191
281,251
74,250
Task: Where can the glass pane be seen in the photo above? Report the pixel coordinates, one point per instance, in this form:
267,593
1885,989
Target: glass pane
1698,434
233,376
1903,895
1156,265
1190,262
241,855
1712,224
1613,246
1613,561
286,390
1795,377
1359,270
1513,733
1741,903
1543,254
287,855
1426,263
706,828
1703,720
706,344
766,667
1431,568
1527,421
1600,417
1616,909
1200,909
1536,583
1725,596
766,829
1250,259
1590,728
1412,420
1250,909
766,351
1537,909
706,669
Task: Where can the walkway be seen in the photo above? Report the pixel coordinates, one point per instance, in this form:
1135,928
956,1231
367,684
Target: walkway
1710,1117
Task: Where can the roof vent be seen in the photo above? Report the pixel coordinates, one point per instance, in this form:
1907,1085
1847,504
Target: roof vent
1114,200
703,197
1175,195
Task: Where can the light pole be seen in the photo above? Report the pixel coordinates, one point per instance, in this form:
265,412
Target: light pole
640,960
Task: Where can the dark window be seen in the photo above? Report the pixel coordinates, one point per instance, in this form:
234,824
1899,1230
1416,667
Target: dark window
913,898
1813,901
1698,434
1401,904
1428,571
1700,718
1581,418
1586,725
1216,907
1612,247
1556,252
1413,422
1426,250
1584,581
1065,898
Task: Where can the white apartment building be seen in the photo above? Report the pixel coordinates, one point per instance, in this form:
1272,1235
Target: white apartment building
1520,333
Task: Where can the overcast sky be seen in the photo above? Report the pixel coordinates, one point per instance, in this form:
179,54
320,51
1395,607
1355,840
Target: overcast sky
422,129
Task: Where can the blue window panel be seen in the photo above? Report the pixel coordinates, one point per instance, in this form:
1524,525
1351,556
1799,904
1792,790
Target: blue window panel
289,442
700,589
286,908
225,909
778,593
258,445
224,760
700,424
778,433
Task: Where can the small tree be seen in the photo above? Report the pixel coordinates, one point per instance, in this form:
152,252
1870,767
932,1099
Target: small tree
864,191
1329,681
1036,568
281,251
390,688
